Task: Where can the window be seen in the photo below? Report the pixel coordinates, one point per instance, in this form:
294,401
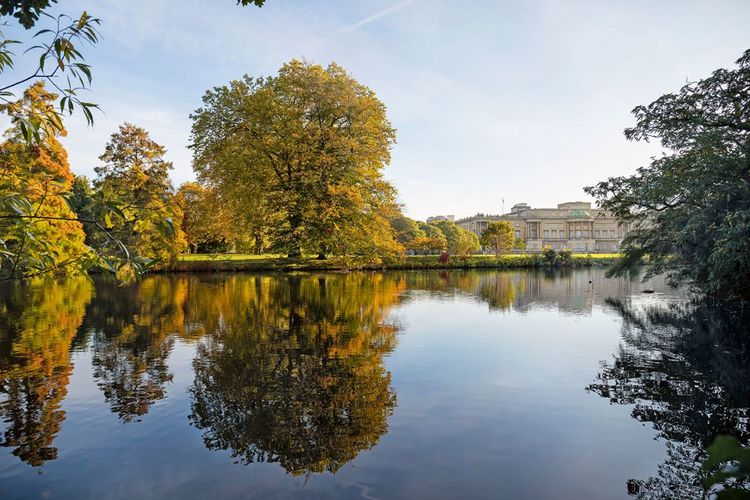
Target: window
554,233
612,233
546,233
578,233
518,234
586,234
596,233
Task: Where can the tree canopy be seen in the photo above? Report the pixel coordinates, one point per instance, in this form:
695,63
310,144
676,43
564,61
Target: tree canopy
40,231
499,236
55,56
303,151
207,222
690,208
459,241
134,171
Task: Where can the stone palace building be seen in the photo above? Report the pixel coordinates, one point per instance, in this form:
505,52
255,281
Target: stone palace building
573,225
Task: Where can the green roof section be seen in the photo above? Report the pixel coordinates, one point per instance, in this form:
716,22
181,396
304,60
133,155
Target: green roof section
580,214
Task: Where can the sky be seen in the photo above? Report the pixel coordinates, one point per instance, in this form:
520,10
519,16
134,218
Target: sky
514,100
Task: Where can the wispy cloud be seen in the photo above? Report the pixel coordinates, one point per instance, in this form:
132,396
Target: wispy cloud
376,16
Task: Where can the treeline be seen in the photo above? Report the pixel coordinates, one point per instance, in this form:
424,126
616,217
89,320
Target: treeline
129,211
129,219
213,224
289,164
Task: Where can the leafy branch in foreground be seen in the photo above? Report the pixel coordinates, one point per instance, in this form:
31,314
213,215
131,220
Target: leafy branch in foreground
61,65
40,233
729,465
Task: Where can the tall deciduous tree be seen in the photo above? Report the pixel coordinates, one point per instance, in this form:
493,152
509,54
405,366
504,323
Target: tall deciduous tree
690,208
38,230
499,237
303,151
134,170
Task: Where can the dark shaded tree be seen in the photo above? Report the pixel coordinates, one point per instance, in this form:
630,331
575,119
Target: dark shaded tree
689,209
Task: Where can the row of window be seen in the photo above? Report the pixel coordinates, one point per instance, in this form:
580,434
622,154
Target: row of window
584,247
578,234
581,233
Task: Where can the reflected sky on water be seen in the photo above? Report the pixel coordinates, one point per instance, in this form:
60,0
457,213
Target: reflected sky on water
439,384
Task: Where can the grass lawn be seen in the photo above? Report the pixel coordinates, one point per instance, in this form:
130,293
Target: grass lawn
275,262
229,257
213,257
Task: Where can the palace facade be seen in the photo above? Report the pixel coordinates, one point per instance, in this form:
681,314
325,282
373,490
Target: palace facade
573,225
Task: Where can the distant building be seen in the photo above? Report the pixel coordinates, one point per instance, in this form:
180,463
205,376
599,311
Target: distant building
441,217
573,225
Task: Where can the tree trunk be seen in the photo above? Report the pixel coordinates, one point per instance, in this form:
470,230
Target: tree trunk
295,247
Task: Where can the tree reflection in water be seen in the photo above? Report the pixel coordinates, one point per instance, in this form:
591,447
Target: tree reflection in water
684,369
38,322
132,333
295,375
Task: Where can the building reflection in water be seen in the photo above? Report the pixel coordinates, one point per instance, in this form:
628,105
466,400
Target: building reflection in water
567,291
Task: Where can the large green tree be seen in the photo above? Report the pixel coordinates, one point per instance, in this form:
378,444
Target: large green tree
690,208
207,222
304,150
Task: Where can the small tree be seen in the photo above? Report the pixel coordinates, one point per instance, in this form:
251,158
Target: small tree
499,237
468,242
436,239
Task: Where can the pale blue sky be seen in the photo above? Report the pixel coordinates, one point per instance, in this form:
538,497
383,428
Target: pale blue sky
521,99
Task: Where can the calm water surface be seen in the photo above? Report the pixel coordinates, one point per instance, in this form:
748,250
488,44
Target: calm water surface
441,384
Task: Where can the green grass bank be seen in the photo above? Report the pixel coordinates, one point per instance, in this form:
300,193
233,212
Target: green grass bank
246,262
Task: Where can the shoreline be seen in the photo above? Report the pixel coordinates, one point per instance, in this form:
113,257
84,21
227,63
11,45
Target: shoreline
239,263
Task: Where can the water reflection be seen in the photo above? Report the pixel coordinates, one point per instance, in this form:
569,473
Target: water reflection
570,292
38,322
288,368
291,369
132,333
296,375
684,369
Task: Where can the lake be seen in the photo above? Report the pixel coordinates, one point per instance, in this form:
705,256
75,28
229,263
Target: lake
424,384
